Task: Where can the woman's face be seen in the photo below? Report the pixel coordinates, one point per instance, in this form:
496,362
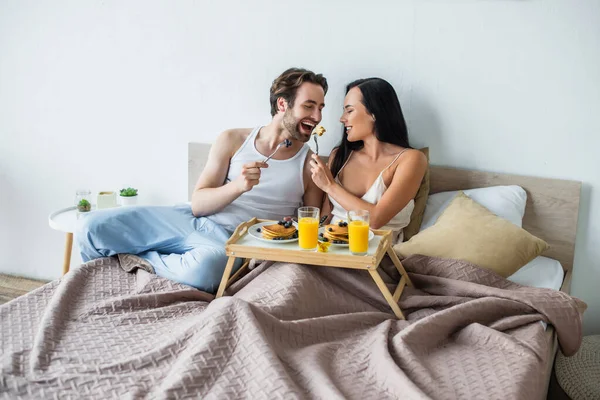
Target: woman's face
358,123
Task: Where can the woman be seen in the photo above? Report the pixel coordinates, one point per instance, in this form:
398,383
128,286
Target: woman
374,168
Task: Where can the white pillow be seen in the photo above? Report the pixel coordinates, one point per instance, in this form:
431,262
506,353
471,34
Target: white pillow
507,202
541,272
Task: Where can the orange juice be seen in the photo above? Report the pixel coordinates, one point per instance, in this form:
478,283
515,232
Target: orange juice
358,236
308,233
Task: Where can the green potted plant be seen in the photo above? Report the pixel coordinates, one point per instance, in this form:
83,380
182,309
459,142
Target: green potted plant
128,196
84,206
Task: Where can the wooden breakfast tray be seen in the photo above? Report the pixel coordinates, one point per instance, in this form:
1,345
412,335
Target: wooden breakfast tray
243,245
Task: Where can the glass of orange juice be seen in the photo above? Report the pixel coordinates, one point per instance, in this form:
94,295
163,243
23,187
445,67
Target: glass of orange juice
308,228
358,232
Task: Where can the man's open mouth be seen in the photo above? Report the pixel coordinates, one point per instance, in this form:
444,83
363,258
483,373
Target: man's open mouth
307,126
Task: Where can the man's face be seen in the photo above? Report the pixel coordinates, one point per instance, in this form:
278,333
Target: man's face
301,119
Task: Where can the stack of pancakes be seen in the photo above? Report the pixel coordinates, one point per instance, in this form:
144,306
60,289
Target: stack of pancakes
278,232
336,233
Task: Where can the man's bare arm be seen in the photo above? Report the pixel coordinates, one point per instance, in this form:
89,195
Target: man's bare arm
211,194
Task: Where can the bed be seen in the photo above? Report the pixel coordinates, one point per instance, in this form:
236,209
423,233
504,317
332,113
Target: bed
110,329
551,213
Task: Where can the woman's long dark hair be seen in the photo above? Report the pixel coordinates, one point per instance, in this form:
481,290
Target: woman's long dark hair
380,100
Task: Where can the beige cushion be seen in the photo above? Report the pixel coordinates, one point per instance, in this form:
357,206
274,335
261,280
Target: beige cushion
468,231
420,201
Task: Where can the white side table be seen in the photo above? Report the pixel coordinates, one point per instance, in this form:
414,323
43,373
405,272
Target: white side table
65,220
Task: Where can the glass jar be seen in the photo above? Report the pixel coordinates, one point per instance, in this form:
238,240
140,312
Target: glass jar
83,200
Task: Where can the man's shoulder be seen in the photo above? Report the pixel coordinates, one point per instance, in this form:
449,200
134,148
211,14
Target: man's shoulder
236,134
232,139
229,141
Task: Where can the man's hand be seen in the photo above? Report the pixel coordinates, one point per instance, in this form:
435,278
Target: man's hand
250,175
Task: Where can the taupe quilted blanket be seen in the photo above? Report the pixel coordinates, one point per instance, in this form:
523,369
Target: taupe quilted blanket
288,331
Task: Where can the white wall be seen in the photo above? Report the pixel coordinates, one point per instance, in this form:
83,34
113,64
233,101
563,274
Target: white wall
106,94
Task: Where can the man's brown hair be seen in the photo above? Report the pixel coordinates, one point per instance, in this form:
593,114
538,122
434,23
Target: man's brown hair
286,85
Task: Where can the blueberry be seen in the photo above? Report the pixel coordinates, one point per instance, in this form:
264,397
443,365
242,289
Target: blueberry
258,230
344,224
325,239
340,224
321,234
287,224
330,229
279,222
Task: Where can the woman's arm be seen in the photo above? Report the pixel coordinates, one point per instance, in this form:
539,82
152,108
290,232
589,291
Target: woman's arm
327,207
404,186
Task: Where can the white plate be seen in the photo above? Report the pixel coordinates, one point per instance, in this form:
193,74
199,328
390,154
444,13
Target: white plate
322,229
252,231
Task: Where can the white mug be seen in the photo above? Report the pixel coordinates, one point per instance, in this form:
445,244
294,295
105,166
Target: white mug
107,199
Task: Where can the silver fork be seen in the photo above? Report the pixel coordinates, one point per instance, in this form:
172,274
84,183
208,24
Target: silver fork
286,143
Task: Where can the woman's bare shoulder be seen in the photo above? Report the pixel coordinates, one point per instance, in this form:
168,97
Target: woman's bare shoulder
412,159
415,155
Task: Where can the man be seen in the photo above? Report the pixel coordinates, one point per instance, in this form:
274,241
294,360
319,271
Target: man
186,244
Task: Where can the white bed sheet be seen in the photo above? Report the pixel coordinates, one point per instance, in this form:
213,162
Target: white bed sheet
541,272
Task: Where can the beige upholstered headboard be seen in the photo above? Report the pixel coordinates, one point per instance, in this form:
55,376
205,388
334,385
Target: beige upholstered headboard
552,205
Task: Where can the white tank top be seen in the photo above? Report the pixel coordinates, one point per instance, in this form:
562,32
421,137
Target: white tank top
278,193
373,195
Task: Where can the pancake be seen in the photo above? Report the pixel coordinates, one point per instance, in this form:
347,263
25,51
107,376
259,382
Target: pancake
271,236
336,230
319,131
335,233
278,232
335,239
